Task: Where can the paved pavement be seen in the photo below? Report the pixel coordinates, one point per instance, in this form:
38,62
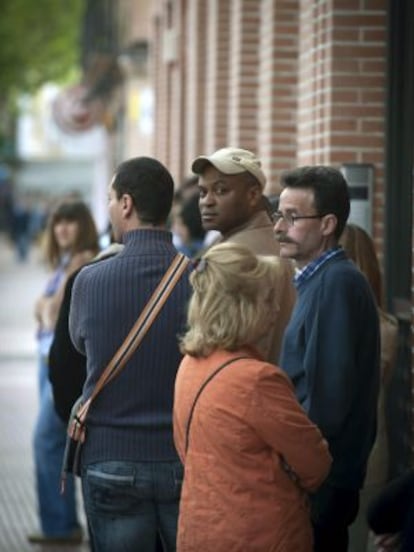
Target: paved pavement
20,284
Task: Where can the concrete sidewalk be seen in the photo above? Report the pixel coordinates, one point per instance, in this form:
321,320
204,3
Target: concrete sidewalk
20,285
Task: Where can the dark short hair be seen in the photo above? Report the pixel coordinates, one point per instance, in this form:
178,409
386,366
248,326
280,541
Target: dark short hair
150,186
330,189
191,217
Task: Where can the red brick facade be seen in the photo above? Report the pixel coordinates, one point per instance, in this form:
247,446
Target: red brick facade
299,82
341,92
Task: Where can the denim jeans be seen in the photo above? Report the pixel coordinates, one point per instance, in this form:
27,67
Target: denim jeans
128,503
57,512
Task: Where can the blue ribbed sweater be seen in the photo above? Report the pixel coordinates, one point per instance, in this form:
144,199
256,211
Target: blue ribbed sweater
331,353
131,419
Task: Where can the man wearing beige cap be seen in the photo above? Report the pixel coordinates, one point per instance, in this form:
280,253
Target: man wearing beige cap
231,184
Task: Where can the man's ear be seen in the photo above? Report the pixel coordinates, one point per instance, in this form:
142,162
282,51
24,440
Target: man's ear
329,224
127,205
255,194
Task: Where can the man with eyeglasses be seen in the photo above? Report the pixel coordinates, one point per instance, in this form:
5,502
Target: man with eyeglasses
331,344
231,200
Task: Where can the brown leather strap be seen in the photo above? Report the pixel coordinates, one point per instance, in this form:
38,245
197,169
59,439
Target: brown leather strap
138,331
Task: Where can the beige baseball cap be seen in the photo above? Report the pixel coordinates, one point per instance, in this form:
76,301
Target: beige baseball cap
231,161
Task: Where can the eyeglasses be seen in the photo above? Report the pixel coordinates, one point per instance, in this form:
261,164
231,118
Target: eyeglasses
290,219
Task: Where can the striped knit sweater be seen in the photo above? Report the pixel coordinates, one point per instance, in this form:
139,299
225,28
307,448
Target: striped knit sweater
131,419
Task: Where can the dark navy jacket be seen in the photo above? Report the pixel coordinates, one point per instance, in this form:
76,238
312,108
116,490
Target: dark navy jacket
131,420
331,352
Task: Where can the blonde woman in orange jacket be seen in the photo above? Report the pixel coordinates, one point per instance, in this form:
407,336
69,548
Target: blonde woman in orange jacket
251,454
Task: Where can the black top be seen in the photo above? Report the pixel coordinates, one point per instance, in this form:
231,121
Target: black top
67,367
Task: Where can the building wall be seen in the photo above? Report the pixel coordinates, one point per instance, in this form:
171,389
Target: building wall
342,83
217,99
297,81
278,88
160,68
129,112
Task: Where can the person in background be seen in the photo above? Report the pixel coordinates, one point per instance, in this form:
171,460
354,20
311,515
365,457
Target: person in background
188,187
231,200
71,240
130,471
187,194
21,227
331,347
187,227
360,248
250,453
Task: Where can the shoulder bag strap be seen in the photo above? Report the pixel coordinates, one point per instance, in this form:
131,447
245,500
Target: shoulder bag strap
138,331
205,383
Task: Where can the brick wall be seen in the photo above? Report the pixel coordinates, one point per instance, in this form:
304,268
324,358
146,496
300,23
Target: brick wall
177,83
216,120
159,72
195,56
342,70
277,92
297,81
243,74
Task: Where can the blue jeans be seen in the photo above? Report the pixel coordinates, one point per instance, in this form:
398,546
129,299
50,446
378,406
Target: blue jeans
57,512
128,503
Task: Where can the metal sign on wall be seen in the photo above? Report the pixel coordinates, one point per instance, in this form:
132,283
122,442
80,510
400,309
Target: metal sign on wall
360,178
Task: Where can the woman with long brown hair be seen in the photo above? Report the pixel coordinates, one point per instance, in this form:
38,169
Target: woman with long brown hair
70,241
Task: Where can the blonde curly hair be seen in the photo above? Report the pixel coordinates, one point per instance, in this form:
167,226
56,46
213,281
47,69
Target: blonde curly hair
234,297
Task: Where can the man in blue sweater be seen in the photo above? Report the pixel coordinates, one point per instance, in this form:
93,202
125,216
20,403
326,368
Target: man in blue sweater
331,344
131,474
